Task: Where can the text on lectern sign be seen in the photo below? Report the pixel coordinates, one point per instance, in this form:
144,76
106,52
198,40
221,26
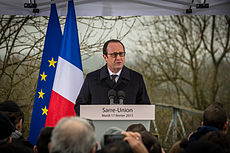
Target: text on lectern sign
118,112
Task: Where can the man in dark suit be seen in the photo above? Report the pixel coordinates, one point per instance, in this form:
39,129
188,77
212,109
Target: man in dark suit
100,83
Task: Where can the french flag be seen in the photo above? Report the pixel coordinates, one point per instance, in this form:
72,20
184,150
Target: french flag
69,76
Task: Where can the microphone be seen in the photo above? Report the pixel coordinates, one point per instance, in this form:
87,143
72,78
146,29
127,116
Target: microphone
111,95
121,96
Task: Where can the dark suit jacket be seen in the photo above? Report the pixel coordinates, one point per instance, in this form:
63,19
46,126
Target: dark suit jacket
97,84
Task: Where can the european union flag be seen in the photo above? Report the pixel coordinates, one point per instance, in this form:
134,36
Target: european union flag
46,75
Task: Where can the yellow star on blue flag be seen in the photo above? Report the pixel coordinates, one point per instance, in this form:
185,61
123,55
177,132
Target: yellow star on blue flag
44,111
43,76
41,94
52,62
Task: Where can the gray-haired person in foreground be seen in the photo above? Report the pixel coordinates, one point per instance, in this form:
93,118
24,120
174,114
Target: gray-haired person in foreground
73,135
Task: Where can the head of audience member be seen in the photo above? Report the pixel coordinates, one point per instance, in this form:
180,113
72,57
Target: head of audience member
203,147
114,55
214,119
179,146
90,122
73,135
44,140
6,129
150,141
215,116
117,147
13,111
136,128
219,138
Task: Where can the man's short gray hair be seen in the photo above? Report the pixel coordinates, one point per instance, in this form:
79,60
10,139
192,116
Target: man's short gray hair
73,135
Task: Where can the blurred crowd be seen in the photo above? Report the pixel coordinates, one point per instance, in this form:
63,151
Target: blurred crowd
77,135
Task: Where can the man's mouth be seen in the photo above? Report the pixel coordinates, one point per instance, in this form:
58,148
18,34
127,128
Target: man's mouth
118,62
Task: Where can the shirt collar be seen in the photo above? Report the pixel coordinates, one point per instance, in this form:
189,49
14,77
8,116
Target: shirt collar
111,73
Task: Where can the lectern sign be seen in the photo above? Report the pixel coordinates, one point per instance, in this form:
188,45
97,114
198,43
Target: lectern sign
118,112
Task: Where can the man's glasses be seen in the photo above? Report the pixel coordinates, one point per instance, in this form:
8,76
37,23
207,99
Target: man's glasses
114,55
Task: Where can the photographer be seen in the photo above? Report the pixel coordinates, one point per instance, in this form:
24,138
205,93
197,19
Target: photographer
135,141
117,140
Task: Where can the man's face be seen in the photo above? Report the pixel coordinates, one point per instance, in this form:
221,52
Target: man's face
115,64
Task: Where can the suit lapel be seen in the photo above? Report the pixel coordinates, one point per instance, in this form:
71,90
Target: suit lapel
124,77
104,75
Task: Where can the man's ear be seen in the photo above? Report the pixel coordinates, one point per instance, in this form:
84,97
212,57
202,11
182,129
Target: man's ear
19,125
94,149
35,149
49,146
202,123
105,57
225,127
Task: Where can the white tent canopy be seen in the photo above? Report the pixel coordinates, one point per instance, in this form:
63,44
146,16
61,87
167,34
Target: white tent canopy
118,7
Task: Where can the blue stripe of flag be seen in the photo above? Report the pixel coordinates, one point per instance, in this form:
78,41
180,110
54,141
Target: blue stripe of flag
70,49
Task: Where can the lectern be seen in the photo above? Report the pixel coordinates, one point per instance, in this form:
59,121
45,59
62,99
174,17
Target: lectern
121,116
